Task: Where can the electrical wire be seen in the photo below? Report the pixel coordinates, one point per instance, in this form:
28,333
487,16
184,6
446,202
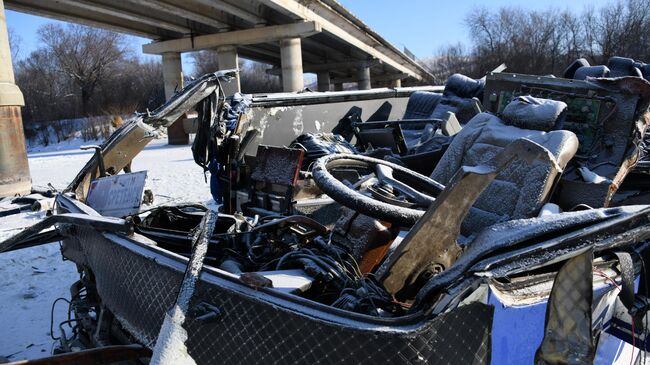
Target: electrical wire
52,317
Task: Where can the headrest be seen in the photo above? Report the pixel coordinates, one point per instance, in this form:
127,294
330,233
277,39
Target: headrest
622,66
591,71
571,70
464,87
616,67
528,112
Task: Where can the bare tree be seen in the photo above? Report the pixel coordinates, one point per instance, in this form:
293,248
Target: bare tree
14,44
451,59
87,55
205,62
544,42
80,71
48,94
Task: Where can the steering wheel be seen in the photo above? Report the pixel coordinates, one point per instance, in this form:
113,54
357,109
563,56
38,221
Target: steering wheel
413,189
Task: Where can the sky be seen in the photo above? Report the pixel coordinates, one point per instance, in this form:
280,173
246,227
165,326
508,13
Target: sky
423,26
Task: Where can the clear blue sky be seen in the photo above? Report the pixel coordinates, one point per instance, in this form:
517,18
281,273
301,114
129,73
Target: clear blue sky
423,26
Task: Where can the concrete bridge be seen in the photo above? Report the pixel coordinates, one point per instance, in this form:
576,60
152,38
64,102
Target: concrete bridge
296,36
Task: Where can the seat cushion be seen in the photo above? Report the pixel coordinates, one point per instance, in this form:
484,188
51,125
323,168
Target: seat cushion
520,190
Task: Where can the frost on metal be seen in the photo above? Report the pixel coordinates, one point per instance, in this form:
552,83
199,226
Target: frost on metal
170,347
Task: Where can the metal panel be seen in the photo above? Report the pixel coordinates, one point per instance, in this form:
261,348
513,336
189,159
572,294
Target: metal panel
118,195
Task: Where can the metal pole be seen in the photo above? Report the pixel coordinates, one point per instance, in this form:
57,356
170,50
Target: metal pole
14,168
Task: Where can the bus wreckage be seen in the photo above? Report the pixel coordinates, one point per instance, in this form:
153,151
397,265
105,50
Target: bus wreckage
500,220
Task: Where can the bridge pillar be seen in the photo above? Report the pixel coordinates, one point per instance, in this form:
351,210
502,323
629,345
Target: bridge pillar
323,81
363,77
291,59
395,83
338,86
14,168
229,59
173,79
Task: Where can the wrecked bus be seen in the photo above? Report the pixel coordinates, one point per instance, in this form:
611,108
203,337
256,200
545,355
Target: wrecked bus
500,220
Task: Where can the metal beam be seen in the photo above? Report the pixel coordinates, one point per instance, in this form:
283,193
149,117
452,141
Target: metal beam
233,10
236,37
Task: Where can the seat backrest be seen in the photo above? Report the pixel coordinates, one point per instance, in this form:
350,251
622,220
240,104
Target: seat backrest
521,189
421,104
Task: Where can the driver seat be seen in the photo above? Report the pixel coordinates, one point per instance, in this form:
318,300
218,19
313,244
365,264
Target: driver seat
520,190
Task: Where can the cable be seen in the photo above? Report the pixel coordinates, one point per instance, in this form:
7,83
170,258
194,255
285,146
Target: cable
52,317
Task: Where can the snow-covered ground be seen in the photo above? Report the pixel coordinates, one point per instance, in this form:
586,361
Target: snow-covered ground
31,279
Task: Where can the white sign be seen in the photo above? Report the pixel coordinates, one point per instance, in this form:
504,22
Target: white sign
118,195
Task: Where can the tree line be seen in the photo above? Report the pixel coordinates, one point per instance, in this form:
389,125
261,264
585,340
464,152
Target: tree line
547,41
80,71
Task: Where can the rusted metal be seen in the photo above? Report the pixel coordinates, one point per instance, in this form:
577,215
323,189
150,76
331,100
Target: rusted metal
14,169
367,239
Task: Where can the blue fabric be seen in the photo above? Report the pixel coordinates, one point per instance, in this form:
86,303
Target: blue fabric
216,190
238,105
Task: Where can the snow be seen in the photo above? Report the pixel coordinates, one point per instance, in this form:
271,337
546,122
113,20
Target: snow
170,348
67,145
31,279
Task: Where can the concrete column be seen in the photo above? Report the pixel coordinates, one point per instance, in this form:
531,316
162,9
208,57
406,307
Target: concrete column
395,83
173,79
291,59
338,86
363,77
229,59
323,81
14,168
